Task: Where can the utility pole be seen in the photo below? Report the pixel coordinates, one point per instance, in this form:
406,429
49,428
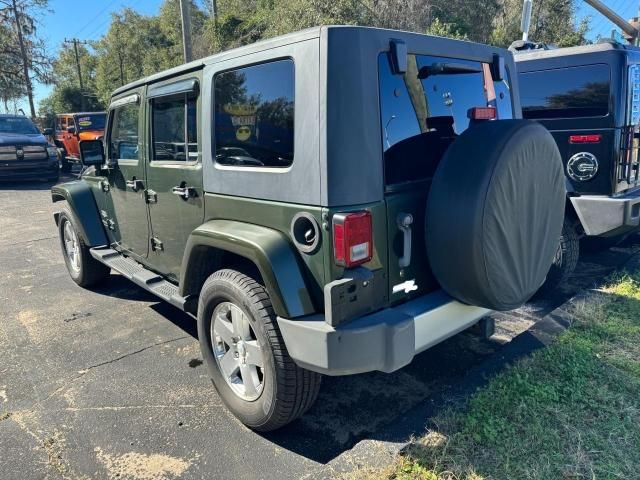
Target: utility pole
633,34
25,58
75,42
185,11
214,10
527,7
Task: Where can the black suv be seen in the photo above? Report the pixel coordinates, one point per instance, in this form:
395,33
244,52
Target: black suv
589,98
25,153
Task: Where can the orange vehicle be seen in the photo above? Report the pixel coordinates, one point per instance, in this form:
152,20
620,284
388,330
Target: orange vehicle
70,128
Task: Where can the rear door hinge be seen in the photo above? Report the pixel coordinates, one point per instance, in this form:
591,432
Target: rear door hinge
156,244
150,196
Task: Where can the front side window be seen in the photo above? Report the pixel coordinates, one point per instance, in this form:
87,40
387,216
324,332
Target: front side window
424,109
254,113
574,92
174,128
123,140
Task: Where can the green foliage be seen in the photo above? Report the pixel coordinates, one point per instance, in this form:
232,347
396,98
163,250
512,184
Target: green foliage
20,52
552,22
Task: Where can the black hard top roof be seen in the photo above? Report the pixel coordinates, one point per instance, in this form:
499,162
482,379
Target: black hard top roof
79,113
599,48
309,33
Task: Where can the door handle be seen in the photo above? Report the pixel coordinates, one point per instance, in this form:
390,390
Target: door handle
185,192
134,184
404,221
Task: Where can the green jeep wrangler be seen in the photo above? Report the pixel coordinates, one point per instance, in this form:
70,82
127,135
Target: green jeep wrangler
332,201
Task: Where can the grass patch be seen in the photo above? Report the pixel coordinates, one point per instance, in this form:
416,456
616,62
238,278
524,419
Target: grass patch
570,411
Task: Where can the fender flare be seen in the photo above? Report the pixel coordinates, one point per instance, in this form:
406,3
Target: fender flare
83,206
268,249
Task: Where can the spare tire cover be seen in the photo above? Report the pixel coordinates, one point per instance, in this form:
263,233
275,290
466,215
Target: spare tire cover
494,213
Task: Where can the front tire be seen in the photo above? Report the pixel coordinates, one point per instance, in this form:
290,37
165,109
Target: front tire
566,258
246,356
85,270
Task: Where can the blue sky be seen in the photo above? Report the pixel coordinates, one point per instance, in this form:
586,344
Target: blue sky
89,19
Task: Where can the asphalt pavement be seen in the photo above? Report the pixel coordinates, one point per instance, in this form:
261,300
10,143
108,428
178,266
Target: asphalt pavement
109,384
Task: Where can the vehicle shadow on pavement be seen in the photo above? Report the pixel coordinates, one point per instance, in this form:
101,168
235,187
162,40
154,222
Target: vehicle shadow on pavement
369,406
24,186
120,287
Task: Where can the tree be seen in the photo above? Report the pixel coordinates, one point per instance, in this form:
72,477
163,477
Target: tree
552,22
66,95
22,46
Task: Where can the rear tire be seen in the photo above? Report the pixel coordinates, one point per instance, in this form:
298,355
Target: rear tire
566,259
85,270
237,327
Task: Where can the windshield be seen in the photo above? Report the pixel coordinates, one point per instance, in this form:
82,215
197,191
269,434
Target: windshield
423,110
18,125
91,122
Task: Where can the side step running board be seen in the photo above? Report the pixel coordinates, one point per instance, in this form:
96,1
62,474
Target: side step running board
141,276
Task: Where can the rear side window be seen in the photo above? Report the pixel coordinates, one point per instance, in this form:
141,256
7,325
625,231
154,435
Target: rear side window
254,113
423,110
123,140
574,92
174,128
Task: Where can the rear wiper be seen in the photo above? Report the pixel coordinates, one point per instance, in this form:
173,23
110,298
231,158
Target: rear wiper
447,69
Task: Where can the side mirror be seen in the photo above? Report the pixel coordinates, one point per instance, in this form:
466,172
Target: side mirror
47,132
71,130
91,152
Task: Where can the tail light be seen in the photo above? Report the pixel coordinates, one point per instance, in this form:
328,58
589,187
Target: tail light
482,113
596,138
352,238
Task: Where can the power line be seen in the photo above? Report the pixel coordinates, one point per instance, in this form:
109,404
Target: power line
96,16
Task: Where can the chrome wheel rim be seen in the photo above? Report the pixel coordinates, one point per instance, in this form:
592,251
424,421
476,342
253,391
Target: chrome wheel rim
239,357
71,246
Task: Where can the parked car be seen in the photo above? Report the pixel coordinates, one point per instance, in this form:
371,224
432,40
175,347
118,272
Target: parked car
71,129
334,201
25,153
589,99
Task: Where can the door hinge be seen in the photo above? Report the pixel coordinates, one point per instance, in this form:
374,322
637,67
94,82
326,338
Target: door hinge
150,196
109,224
156,245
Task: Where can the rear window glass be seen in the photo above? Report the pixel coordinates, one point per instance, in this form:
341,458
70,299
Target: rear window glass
574,92
254,108
423,110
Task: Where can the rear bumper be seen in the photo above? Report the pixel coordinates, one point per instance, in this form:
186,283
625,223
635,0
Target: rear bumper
386,340
608,216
